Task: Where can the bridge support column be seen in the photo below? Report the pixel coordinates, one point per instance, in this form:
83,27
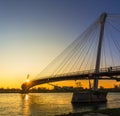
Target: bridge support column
89,97
97,67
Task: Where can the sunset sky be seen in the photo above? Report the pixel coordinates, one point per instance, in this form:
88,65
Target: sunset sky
34,32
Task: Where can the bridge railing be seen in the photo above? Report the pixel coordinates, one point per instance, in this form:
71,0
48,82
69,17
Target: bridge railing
111,69
87,72
106,69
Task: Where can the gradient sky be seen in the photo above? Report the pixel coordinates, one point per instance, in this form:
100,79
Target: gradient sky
34,32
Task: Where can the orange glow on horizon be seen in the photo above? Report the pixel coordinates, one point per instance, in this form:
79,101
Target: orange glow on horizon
11,82
84,84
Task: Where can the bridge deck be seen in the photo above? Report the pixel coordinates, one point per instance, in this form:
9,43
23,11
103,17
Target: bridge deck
109,73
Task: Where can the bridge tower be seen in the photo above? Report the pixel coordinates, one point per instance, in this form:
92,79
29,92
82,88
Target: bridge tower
97,67
94,96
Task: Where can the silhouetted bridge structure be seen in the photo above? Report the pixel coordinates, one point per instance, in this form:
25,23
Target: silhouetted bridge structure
109,73
97,47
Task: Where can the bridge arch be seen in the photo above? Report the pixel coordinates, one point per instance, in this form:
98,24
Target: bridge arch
104,74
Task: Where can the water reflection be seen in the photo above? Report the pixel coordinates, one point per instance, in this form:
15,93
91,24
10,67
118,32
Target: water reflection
25,104
113,100
50,104
46,104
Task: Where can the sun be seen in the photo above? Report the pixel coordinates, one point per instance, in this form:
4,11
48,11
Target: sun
27,80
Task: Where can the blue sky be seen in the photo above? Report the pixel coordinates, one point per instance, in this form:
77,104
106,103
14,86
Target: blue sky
34,32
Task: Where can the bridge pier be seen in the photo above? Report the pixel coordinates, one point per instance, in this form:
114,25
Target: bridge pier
89,97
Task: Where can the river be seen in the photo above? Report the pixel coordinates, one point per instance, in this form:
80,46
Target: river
47,104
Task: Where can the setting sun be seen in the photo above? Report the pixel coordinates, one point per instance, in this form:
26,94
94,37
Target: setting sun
27,80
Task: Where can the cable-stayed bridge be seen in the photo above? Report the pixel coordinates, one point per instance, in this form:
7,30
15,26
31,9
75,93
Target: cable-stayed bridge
95,54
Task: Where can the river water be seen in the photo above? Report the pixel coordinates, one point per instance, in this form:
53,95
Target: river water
48,104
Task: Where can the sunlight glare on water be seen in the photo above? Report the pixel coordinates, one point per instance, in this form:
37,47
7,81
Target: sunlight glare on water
48,104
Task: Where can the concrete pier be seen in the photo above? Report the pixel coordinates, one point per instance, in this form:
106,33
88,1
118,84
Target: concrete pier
89,97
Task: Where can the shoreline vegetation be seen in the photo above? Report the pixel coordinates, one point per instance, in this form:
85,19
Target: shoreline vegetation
54,90
104,112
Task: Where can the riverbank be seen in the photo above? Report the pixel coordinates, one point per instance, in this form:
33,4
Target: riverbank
104,112
44,90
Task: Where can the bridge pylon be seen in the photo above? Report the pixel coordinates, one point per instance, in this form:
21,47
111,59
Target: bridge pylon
97,67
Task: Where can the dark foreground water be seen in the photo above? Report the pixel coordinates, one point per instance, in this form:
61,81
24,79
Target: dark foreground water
48,104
